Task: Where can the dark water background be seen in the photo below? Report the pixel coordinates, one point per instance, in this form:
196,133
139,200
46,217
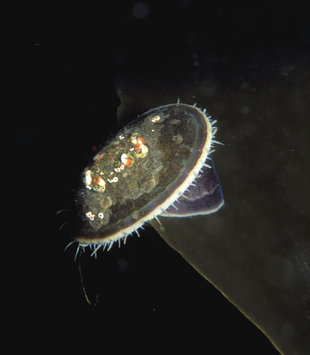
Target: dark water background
248,65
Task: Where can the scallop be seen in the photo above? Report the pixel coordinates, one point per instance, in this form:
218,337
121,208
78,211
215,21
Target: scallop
158,165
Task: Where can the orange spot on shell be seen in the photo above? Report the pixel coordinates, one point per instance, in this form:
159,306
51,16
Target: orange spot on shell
97,180
129,163
140,143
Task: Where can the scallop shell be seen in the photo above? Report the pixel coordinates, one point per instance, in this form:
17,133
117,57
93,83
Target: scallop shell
157,165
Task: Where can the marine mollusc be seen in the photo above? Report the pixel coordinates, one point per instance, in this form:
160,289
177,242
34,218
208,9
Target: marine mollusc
158,164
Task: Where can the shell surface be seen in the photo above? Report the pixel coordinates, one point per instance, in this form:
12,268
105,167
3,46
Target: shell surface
149,165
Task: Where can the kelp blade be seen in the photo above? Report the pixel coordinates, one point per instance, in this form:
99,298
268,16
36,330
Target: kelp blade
273,291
